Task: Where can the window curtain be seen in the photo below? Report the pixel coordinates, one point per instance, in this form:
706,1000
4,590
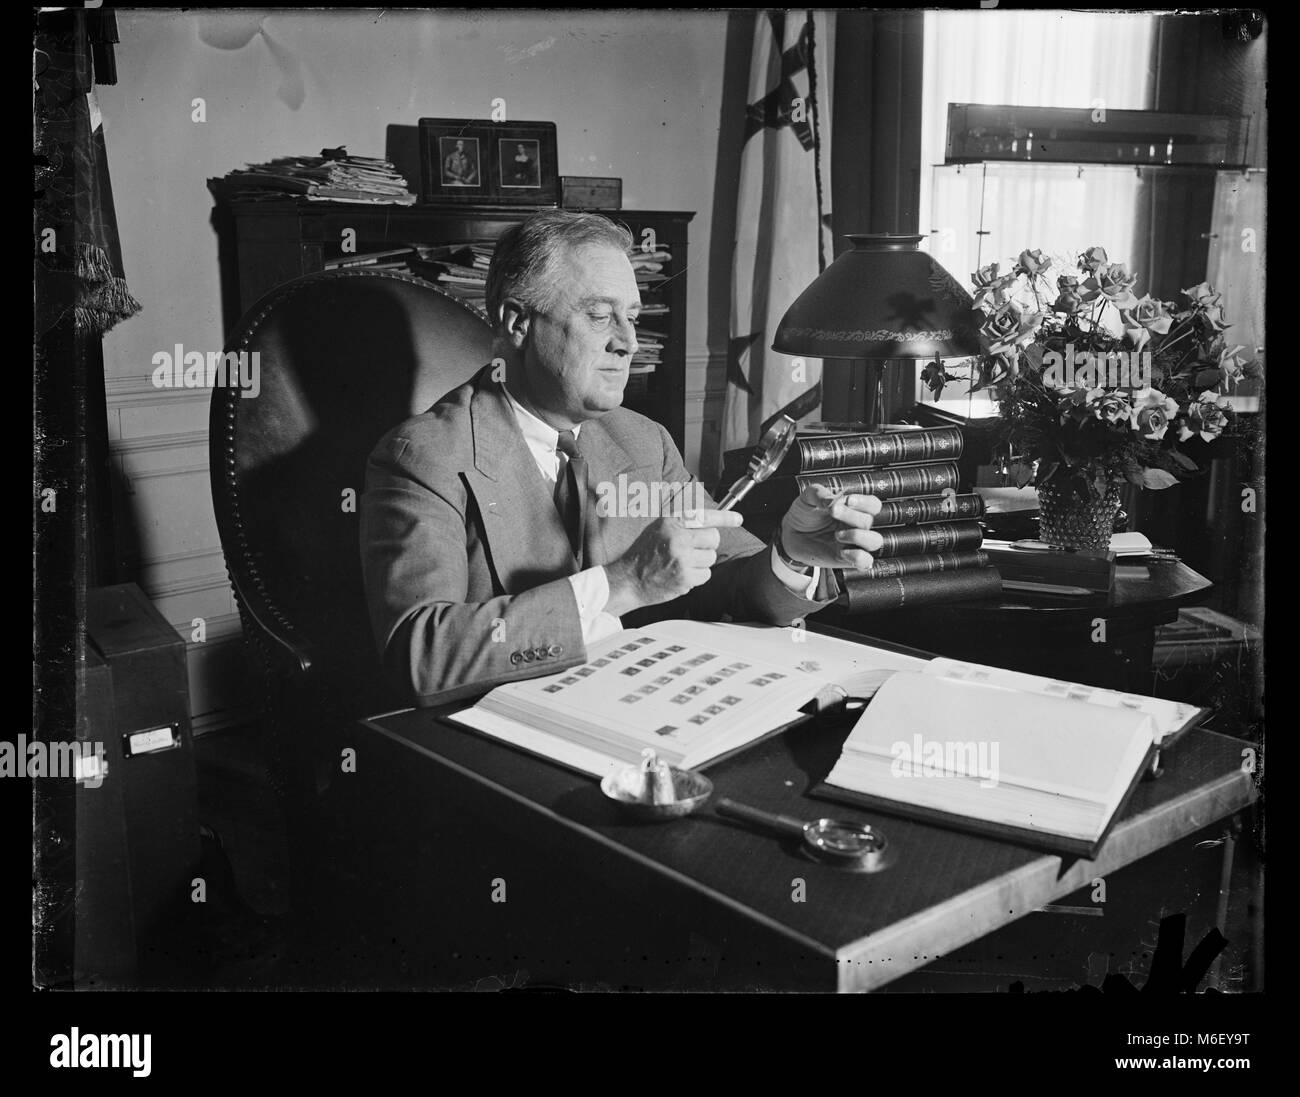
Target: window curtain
976,214
1199,65
1190,225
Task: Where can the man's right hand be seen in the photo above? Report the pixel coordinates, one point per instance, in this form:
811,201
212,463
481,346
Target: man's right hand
669,558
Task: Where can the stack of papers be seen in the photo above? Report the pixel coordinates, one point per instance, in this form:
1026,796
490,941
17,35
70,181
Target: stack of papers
333,178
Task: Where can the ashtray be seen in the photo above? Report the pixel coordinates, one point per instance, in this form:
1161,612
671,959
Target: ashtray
690,790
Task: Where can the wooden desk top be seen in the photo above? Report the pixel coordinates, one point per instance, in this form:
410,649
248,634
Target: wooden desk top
855,932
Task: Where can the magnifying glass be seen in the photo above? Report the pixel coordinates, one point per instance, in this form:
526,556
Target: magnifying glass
767,455
852,846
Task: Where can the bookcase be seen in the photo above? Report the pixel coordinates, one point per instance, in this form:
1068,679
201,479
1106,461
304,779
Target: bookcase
267,241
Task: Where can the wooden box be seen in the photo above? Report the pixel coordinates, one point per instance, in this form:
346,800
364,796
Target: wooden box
590,192
151,756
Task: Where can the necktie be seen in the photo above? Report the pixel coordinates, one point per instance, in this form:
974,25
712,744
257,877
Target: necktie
567,498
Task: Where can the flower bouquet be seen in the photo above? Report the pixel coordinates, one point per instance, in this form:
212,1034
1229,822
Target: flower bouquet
1096,386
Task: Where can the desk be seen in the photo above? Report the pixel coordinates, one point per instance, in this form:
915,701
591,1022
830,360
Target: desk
1048,634
737,888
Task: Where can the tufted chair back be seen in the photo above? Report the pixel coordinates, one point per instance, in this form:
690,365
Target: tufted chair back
342,357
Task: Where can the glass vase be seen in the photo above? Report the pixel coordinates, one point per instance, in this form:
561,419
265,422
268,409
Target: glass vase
1078,521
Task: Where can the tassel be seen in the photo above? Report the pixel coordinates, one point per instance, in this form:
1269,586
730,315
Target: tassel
103,299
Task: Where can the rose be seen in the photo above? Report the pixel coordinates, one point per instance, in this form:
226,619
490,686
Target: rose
1111,406
1069,302
1151,423
1114,282
1151,413
1233,364
1207,417
1007,328
1152,315
1202,294
1138,336
1033,262
1207,303
1213,314
998,329
1093,259
935,377
988,282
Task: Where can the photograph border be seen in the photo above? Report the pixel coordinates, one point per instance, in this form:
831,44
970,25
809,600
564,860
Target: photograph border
432,188
519,141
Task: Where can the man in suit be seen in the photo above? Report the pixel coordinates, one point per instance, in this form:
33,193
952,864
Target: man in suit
490,552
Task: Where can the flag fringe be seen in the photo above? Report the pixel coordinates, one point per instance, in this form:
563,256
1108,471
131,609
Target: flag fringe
103,299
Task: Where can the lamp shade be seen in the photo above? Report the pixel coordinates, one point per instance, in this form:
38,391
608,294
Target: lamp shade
881,299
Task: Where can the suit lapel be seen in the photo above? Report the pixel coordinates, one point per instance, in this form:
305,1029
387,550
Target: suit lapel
604,460
524,533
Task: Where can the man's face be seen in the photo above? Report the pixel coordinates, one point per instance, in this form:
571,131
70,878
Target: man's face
460,146
578,351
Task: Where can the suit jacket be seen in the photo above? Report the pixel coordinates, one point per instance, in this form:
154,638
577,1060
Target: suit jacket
465,556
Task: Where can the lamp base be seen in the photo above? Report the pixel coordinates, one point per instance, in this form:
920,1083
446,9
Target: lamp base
858,392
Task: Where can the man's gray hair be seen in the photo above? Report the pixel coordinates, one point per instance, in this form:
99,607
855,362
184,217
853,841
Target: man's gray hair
527,255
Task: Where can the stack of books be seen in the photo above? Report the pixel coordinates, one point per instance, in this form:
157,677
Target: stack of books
650,277
334,178
650,350
459,269
384,259
932,534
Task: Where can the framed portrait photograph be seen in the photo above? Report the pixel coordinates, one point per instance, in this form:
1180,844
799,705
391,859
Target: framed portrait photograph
454,155
471,160
525,171
460,162
520,163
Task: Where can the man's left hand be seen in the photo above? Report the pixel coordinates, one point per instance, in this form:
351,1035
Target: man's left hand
827,529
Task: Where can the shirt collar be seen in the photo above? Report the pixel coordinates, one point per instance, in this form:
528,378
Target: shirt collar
540,435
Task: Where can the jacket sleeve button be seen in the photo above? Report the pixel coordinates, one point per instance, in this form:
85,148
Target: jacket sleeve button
516,658
555,650
529,655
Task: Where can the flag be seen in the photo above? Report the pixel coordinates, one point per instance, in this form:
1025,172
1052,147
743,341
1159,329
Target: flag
781,238
83,270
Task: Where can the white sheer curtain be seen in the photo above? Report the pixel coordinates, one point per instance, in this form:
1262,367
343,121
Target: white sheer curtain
1043,59
1236,267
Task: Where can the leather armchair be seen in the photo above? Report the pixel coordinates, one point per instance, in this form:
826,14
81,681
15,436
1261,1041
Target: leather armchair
343,356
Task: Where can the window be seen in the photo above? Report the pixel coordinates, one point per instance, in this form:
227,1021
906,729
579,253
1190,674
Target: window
980,213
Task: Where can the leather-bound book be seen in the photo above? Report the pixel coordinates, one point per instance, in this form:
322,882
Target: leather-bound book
862,594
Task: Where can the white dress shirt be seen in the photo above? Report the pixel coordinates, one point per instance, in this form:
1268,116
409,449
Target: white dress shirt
591,586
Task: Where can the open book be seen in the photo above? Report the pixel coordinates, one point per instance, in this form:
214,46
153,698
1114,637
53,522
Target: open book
1031,766
694,691
1169,718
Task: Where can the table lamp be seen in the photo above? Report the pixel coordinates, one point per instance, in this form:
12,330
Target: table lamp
880,300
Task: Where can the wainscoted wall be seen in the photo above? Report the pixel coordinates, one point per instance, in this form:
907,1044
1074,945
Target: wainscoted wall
637,95
705,394
168,544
